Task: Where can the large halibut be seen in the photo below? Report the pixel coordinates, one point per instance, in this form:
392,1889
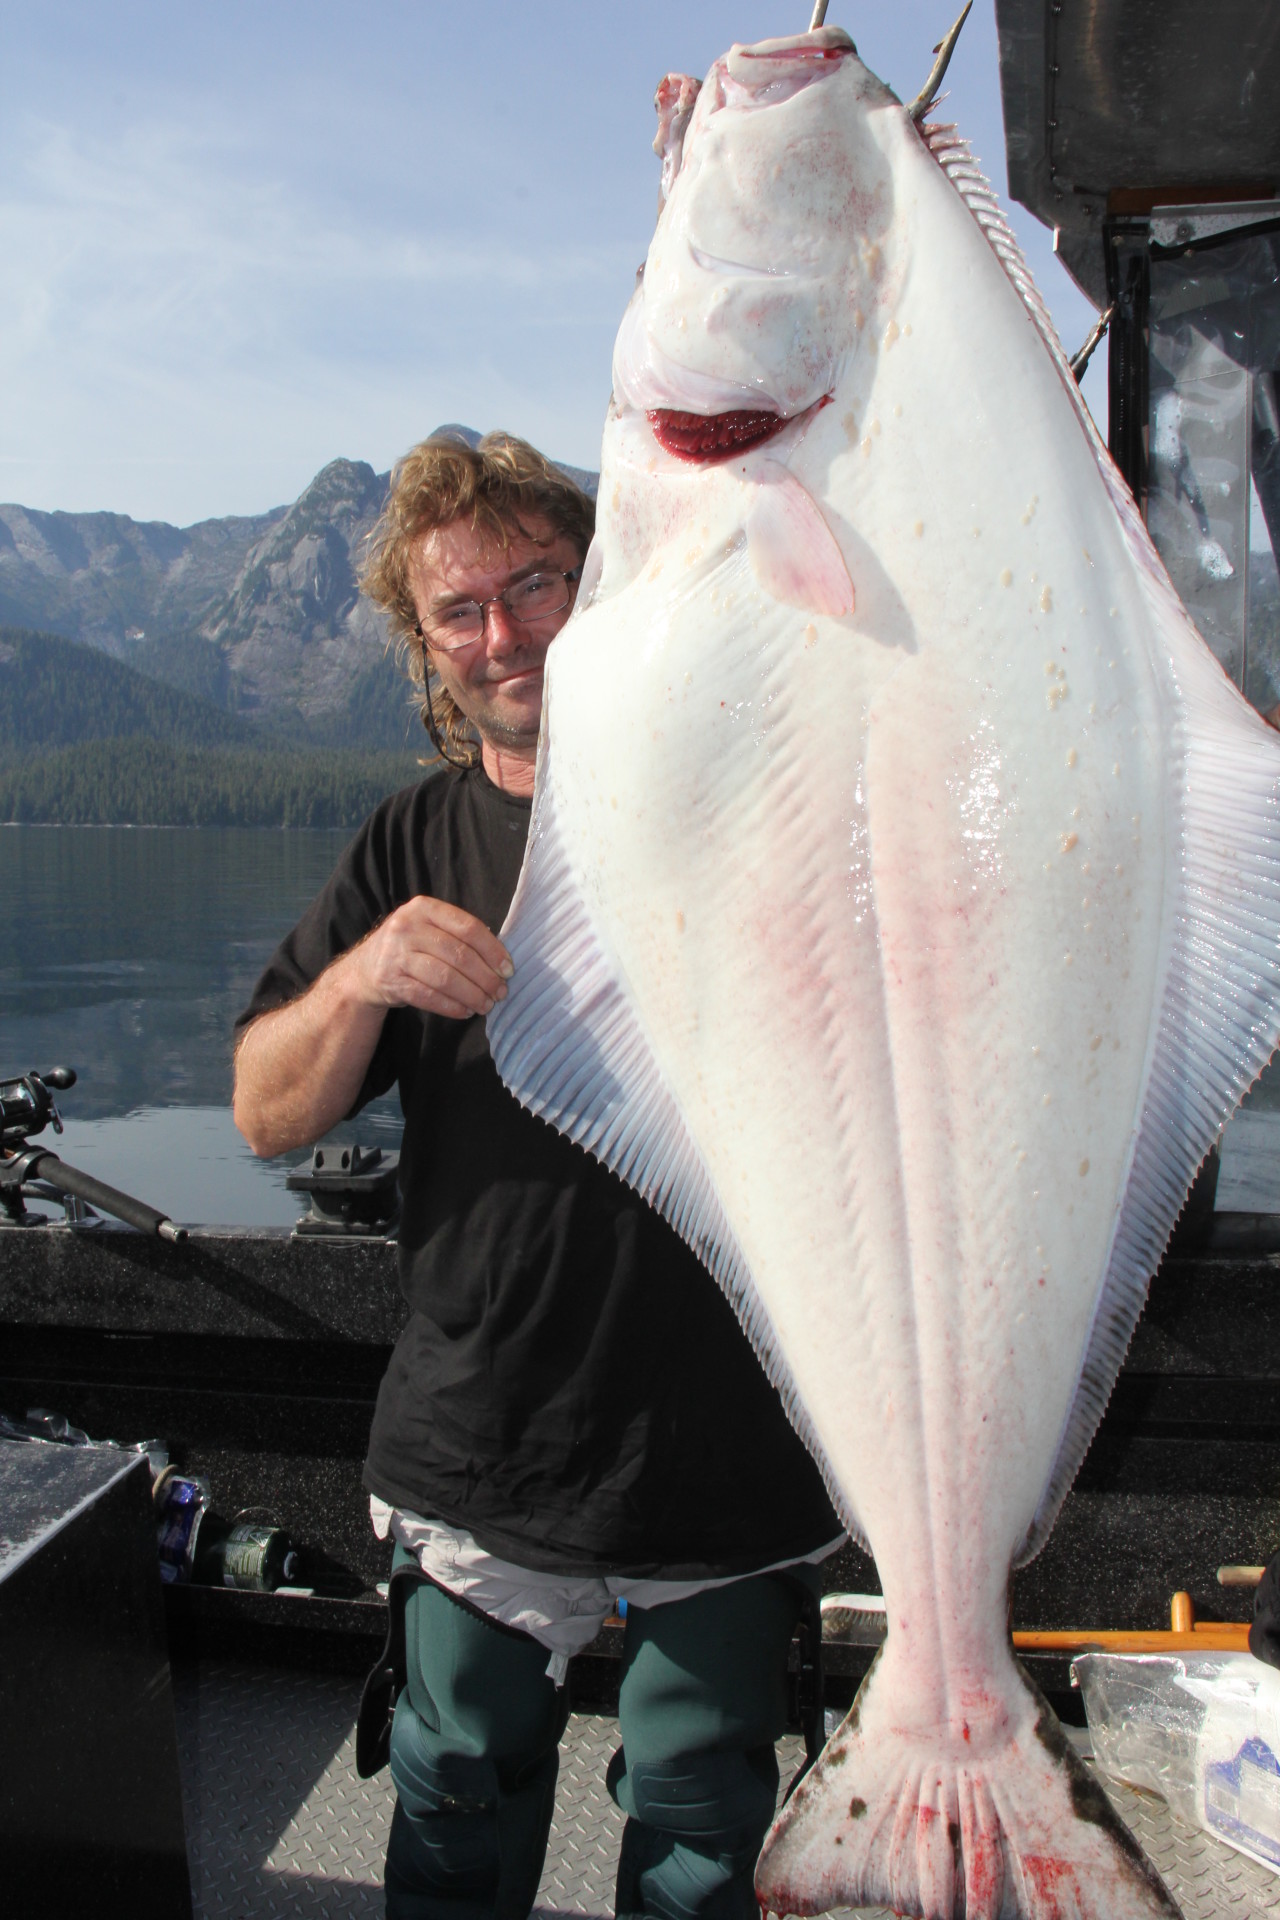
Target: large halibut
901,913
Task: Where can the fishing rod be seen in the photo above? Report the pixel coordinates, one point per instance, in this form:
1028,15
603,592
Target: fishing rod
27,1107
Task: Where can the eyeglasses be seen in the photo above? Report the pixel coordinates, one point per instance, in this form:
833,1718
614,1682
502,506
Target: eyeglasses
527,600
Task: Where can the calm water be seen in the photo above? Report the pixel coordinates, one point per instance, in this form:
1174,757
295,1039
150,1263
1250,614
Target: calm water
126,953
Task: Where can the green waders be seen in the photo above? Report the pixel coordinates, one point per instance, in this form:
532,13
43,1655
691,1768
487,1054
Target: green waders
703,1699
474,1755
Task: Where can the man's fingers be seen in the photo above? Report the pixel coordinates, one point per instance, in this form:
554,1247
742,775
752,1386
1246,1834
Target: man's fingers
451,1009
432,979
466,961
436,927
437,958
466,929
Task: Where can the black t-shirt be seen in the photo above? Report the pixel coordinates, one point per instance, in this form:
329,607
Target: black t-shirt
571,1387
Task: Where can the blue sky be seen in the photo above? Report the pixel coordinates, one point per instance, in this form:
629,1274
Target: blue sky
236,242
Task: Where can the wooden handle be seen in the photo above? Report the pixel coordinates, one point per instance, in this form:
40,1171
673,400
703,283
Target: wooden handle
1211,1636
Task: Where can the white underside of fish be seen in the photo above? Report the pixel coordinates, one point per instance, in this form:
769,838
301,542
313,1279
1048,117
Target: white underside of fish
908,958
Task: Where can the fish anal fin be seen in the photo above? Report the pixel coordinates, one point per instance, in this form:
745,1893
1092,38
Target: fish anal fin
570,1045
794,554
1018,1831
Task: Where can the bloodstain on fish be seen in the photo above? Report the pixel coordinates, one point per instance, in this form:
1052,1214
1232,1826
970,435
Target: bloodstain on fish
717,436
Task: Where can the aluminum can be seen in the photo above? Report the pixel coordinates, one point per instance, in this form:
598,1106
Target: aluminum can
252,1556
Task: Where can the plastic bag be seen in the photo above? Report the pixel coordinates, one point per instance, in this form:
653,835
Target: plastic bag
1201,1730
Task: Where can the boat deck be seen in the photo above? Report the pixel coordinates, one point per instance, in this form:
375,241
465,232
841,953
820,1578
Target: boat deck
278,1822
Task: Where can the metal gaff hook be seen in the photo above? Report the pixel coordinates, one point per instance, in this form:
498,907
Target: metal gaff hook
944,50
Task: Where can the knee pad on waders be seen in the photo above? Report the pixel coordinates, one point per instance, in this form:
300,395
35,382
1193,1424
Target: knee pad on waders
694,1831
448,1837
469,1835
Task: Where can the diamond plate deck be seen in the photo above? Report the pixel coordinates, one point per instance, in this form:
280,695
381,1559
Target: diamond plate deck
1208,1880
278,1822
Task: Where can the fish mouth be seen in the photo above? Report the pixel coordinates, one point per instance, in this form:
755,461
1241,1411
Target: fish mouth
821,47
772,70
704,437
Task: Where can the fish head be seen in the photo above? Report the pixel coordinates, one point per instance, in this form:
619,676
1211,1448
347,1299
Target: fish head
770,251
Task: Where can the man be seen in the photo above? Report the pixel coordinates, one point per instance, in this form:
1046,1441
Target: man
572,1414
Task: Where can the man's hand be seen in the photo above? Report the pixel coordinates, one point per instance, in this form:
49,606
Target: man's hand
432,956
300,1067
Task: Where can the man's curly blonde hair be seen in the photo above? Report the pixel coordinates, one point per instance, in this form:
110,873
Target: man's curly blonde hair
501,487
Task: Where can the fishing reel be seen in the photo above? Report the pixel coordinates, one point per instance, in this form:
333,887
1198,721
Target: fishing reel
27,1105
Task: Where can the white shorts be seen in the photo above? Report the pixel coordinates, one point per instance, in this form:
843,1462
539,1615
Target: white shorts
564,1614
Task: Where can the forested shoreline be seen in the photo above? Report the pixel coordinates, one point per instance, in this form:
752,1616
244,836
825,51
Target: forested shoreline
86,740
145,783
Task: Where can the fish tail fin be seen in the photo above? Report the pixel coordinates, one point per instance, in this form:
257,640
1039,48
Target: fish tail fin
1020,1831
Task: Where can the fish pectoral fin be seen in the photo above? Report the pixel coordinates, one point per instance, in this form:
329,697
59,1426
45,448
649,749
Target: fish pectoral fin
794,554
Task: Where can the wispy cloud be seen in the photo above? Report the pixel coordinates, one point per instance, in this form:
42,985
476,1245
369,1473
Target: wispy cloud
172,287
229,253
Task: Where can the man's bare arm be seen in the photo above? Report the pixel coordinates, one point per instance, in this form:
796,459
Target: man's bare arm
300,1067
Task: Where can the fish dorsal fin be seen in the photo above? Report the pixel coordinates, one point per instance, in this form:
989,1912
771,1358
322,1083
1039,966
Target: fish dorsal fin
1215,1022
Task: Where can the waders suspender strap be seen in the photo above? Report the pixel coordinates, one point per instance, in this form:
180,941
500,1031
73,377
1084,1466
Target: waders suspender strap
386,1680
810,1687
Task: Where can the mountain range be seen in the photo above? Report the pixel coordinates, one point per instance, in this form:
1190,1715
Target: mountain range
260,615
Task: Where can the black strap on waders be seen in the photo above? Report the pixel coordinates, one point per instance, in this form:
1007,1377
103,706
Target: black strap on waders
386,1681
390,1675
810,1694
